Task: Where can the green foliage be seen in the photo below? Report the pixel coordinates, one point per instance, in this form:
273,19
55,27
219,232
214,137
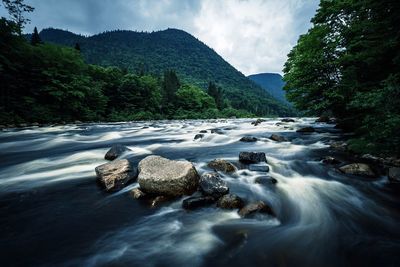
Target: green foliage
51,83
348,64
217,93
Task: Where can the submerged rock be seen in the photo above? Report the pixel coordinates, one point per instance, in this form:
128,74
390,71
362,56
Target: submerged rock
257,122
230,201
203,131
308,129
360,169
252,157
278,138
264,180
394,174
136,193
257,207
197,202
161,176
158,200
221,165
248,139
217,131
116,151
211,184
115,175
338,145
259,167
287,120
330,160
324,119
198,136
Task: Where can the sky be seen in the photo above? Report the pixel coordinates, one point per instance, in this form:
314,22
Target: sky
252,35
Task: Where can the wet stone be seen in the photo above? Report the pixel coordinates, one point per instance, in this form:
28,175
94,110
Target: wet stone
192,203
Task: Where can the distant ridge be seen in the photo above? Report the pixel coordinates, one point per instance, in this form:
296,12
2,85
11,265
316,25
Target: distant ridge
175,49
272,83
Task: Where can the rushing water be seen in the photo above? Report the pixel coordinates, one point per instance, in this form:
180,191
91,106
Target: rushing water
54,214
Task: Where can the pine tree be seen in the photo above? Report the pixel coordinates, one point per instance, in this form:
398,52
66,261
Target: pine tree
77,47
217,93
35,39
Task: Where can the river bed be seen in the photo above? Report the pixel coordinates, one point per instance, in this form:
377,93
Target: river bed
53,213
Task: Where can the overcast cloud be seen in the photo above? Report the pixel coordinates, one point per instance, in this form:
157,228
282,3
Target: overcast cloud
253,35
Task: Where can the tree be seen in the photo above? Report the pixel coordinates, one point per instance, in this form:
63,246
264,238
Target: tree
35,38
217,93
17,9
348,64
77,47
170,86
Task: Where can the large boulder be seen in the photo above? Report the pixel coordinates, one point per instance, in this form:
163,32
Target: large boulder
230,201
211,184
161,176
308,129
248,139
114,175
257,207
192,203
252,157
221,165
115,151
360,169
394,174
278,138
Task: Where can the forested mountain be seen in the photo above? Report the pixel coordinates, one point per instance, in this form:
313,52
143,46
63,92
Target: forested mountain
272,83
348,65
155,52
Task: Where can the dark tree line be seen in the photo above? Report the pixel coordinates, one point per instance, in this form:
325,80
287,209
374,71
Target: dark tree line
348,66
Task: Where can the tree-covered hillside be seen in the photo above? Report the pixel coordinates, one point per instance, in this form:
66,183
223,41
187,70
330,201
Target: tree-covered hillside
155,52
271,82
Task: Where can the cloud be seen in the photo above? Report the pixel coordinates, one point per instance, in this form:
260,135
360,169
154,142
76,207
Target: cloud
253,35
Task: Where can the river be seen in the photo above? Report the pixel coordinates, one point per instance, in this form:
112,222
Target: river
53,213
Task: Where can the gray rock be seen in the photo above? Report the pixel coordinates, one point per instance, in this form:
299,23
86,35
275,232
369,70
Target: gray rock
306,130
265,180
257,122
203,131
211,184
217,131
252,157
259,167
113,176
136,193
394,174
248,139
324,119
338,145
278,138
230,201
161,176
360,169
257,207
115,151
198,136
221,165
192,203
287,120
